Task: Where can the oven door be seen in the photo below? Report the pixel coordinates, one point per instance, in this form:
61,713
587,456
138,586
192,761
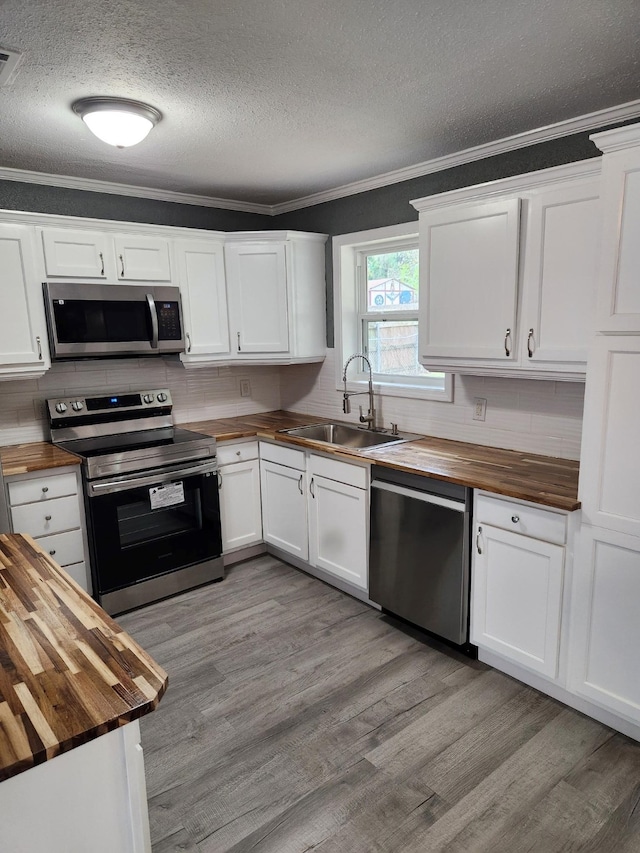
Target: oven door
146,525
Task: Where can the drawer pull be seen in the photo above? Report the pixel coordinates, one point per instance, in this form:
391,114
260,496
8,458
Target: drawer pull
507,343
515,518
52,552
45,489
238,453
47,518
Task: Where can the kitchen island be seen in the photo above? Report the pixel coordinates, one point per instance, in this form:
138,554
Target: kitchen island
73,685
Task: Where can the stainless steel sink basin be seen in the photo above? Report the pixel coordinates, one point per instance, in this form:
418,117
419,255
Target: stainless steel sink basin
346,435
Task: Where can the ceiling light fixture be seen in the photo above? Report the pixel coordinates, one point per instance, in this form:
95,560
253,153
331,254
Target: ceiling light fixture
117,121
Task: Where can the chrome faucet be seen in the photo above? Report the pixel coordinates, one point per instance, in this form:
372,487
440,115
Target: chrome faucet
370,417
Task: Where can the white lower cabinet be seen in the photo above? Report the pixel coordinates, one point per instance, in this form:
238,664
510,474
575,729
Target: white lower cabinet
284,503
339,519
517,593
48,506
240,504
605,629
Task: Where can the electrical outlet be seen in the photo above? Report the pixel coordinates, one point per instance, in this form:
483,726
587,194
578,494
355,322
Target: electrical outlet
245,388
479,408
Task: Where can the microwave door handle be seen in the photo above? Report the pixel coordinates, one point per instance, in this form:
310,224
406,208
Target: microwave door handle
154,320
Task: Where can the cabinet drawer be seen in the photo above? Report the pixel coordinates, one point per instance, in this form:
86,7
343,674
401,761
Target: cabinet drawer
282,455
65,548
47,517
42,488
527,519
230,453
342,472
78,572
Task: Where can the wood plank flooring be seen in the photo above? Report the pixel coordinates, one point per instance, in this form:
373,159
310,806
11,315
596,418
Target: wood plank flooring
299,719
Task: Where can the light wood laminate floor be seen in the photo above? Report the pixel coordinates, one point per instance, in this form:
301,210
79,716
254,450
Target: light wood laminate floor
299,719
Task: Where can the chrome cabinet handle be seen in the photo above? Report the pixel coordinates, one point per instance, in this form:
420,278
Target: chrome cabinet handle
239,347
122,266
39,342
515,518
219,476
238,453
45,489
47,518
507,343
188,342
529,342
52,552
300,489
478,548
313,494
101,256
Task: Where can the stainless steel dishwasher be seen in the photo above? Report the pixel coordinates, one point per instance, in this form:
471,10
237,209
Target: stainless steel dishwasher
419,560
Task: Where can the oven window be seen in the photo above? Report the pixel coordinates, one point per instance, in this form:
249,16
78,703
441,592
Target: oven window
137,522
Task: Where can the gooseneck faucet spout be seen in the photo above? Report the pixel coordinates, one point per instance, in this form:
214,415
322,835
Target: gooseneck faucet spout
370,417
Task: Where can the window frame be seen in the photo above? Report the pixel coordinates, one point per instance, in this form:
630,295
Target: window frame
350,318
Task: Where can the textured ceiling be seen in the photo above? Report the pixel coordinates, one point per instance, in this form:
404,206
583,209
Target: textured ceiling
273,100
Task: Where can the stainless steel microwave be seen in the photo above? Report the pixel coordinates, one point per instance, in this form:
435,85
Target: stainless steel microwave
87,320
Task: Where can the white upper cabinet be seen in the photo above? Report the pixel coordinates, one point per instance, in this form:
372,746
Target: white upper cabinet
619,292
71,253
469,280
559,284
23,336
508,280
141,258
201,276
277,296
257,281
94,254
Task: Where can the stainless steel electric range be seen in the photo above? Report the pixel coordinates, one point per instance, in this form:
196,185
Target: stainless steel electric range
151,495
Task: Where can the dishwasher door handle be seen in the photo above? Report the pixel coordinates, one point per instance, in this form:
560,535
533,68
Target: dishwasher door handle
427,498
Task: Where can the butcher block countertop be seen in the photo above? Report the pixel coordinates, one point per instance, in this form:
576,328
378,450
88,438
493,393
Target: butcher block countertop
68,672
37,456
527,476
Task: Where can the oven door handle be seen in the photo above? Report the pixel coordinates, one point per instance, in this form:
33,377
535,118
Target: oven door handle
161,475
151,302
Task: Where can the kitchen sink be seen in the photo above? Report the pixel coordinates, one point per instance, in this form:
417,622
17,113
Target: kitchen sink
346,435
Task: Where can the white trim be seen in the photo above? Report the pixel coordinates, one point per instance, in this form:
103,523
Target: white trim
26,176
581,170
616,140
589,121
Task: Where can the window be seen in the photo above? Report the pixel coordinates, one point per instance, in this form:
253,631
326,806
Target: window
376,276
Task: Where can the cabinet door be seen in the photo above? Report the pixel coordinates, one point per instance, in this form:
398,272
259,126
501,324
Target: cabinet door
142,258
610,467
257,288
339,530
240,506
22,325
469,281
605,629
77,254
619,286
516,598
284,508
560,276
204,297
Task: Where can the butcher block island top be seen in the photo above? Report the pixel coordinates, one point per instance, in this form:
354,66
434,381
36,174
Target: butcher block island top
68,672
526,476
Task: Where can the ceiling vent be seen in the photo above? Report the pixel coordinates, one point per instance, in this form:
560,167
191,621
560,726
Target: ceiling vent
9,61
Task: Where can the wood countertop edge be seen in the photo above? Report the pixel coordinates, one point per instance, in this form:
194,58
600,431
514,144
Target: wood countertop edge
115,641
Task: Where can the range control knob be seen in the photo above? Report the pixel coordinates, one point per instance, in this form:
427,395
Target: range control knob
61,408
77,405
148,398
162,397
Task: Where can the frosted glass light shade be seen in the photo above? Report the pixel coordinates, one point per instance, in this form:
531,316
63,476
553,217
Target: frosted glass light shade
117,121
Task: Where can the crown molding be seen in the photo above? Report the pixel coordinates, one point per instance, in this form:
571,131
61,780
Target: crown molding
95,186
590,121
617,140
